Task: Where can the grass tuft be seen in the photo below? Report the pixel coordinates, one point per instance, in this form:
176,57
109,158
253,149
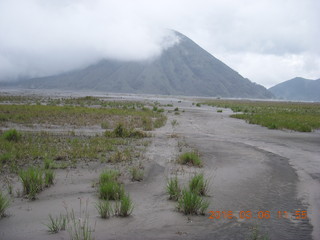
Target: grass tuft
4,204
124,207
191,203
136,174
173,189
104,209
190,158
49,176
198,185
12,135
109,176
57,224
32,181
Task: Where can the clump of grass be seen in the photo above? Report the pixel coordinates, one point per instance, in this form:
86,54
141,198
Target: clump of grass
49,176
147,124
174,122
104,209
32,181
120,156
198,104
122,132
190,158
219,111
111,191
192,203
136,174
198,185
109,187
79,227
124,206
109,176
57,224
173,189
12,135
48,163
176,109
4,204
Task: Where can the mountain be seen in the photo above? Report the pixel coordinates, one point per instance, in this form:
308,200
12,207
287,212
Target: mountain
300,89
183,69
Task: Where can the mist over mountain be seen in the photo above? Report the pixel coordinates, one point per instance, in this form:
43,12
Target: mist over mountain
182,69
299,89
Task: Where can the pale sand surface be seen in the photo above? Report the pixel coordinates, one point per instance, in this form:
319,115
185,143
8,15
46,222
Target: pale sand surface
249,167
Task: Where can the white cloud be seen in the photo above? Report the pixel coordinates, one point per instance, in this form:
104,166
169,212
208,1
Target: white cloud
267,41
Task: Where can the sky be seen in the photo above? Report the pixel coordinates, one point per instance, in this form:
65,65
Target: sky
267,41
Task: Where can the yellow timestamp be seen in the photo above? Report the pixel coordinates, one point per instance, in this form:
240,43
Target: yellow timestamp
297,214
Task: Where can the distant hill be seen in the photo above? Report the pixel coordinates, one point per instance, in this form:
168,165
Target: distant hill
299,89
183,69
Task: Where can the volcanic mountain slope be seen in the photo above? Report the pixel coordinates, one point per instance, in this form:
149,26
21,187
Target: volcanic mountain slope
299,89
183,69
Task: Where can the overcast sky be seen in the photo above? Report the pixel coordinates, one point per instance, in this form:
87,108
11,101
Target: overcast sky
267,41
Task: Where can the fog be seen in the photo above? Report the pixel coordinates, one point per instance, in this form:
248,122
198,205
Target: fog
266,41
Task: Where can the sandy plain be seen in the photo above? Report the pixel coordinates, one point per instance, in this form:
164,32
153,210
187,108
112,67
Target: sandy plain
250,168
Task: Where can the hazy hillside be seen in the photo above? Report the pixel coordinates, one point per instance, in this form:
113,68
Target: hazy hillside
184,69
300,89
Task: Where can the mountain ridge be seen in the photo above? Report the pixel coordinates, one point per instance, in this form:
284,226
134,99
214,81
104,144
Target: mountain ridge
183,69
298,89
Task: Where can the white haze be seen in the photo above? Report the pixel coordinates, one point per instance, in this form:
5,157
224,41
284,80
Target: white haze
268,41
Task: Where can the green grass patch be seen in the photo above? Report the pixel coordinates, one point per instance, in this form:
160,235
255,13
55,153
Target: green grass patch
57,224
192,203
198,185
32,181
11,135
173,189
297,116
190,158
104,209
124,206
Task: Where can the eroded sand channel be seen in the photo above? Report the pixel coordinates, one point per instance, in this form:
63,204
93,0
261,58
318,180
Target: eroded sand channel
251,169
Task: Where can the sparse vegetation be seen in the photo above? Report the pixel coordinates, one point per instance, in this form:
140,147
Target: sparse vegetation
4,204
57,224
136,174
173,189
104,209
109,176
32,181
49,176
79,227
302,117
110,190
198,185
11,135
190,158
198,104
256,234
124,206
192,203
219,111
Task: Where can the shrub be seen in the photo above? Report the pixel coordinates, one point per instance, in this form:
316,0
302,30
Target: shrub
173,189
176,109
32,181
104,209
191,203
12,135
110,191
124,207
198,185
136,174
198,104
120,131
4,204
190,158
